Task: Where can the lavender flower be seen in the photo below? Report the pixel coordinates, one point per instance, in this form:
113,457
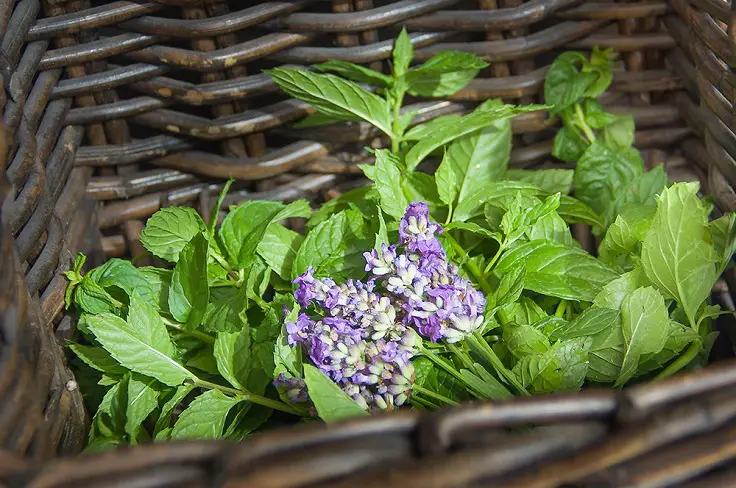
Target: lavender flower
295,388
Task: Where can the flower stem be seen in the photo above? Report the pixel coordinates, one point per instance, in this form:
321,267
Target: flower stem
462,355
561,308
680,362
493,260
221,261
487,352
444,365
260,400
472,268
433,395
194,333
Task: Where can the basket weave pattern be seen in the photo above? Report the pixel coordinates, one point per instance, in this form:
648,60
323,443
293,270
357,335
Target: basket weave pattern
153,103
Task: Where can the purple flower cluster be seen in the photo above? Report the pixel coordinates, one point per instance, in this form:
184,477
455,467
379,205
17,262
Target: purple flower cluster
437,302
364,339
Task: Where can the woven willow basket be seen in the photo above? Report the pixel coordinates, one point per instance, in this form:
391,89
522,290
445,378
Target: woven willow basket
170,99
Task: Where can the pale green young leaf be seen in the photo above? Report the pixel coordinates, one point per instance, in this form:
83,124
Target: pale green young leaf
142,397
475,229
169,230
589,323
574,211
421,131
552,228
557,270
548,180
204,418
94,299
565,84
676,253
354,72
645,326
569,144
623,238
491,191
382,234
510,287
232,352
333,96
562,367
190,291
403,53
444,74
480,118
331,402
613,294
723,233
641,191
620,132
122,274
606,354
127,345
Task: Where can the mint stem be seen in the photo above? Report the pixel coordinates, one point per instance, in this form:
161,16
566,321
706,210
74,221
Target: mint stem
680,362
583,125
260,400
433,395
221,261
483,349
194,333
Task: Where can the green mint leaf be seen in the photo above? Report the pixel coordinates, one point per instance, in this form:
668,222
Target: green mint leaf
214,214
589,323
569,144
169,230
109,421
438,380
421,131
480,157
557,270
334,96
486,114
524,340
510,287
446,181
613,294
606,354
487,386
619,133
406,118
601,64
159,280
402,54
335,247
142,399
259,275
723,233
363,197
354,72
204,418
444,74
475,229
574,211
678,338
677,256
226,310
119,273
232,352
287,359
387,178
97,358
565,84
278,248
131,346
331,402
645,325
382,234
624,236
74,276
641,191
316,120
93,299
602,171
547,180
562,367
203,360
164,419
190,291
422,187
552,228
254,417
498,193
595,115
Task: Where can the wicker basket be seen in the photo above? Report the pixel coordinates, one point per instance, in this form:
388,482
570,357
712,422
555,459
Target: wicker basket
173,101
46,218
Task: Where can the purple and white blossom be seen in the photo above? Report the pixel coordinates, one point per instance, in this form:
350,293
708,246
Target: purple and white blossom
363,335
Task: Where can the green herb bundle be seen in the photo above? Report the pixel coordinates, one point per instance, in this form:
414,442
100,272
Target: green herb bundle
230,341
